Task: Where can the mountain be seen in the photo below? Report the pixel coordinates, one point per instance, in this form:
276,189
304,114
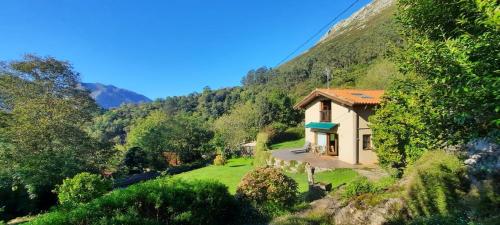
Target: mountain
109,96
358,20
355,52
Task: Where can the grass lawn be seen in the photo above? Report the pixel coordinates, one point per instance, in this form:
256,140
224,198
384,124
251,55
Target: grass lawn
231,174
289,144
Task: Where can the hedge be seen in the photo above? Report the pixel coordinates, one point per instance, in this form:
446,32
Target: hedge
161,201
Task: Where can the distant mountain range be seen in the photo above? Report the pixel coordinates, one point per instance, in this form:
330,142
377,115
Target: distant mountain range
109,96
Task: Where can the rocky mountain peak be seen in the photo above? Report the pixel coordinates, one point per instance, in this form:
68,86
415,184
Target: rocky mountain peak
358,19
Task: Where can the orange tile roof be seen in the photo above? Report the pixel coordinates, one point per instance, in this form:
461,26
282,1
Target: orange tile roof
348,97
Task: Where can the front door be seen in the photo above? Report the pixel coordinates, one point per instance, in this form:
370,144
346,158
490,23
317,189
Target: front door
332,145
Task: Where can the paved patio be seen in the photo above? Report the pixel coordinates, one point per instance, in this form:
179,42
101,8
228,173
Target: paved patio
324,162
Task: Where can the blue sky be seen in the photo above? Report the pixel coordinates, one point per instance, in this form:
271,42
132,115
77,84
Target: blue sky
163,48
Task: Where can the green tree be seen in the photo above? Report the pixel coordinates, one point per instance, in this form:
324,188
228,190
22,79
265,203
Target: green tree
449,92
400,126
184,134
276,107
454,46
48,114
150,134
236,127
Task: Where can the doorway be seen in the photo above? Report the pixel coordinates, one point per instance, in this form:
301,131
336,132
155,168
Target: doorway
332,144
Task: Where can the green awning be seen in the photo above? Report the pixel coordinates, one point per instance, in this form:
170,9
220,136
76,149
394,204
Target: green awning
321,125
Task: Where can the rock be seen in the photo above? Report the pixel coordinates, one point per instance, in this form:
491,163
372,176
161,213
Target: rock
358,213
358,19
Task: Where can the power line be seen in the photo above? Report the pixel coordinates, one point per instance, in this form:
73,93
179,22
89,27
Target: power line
318,32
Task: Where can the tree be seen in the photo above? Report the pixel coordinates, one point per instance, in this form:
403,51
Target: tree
236,127
400,130
183,134
275,106
454,46
449,92
48,114
150,134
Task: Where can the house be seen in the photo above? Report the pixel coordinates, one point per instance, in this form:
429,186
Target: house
336,122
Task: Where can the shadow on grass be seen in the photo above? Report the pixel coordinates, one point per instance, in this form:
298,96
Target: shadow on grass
239,165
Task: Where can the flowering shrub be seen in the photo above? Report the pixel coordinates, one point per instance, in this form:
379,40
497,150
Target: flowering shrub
267,185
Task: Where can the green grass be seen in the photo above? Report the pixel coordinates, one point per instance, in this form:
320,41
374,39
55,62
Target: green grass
231,174
289,144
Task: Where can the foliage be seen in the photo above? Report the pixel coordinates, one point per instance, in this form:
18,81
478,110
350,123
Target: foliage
267,185
275,106
14,198
150,134
400,131
161,201
182,134
135,160
213,104
378,75
46,133
261,153
361,185
436,183
82,188
219,160
237,127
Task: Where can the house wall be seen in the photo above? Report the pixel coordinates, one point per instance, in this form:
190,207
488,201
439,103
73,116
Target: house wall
348,120
365,156
344,117
312,115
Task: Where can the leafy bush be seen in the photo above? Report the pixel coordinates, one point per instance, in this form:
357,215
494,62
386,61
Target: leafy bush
161,201
82,188
435,184
359,186
219,160
362,185
268,186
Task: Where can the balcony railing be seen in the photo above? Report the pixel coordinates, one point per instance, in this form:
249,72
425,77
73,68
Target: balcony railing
325,116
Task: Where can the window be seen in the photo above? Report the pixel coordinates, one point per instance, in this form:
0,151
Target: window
325,111
367,141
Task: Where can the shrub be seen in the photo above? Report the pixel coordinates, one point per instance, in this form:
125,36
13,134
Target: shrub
268,186
82,188
357,187
219,160
435,184
362,185
160,201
